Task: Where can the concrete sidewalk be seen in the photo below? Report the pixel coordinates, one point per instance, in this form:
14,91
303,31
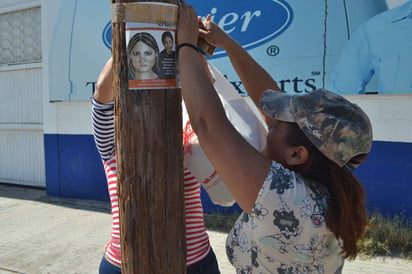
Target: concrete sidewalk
41,234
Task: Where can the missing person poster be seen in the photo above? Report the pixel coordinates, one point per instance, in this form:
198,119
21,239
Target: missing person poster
150,40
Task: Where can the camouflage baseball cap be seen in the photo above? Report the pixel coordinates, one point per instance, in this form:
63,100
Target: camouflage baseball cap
337,127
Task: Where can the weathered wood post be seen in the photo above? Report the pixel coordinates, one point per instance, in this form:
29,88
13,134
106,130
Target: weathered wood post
148,134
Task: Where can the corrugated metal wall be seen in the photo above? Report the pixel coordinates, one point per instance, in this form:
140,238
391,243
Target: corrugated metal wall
21,111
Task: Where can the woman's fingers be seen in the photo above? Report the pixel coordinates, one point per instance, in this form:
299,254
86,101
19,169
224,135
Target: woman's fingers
188,24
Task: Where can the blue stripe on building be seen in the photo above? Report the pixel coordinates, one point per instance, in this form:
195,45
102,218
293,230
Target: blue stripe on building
74,170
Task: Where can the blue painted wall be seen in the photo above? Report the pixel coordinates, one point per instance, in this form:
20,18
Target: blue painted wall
386,177
73,167
74,170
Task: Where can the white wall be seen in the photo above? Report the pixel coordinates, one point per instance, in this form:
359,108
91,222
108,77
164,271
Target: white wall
390,115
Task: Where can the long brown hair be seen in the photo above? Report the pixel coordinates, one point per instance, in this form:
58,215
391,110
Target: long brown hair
150,41
346,215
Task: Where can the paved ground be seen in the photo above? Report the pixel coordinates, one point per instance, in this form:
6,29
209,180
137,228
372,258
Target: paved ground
40,234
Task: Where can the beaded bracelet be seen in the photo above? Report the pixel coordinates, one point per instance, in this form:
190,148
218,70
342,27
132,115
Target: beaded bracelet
179,46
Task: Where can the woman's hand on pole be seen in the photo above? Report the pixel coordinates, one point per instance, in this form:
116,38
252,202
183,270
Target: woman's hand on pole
187,25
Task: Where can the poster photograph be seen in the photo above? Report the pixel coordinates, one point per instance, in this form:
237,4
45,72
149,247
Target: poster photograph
151,48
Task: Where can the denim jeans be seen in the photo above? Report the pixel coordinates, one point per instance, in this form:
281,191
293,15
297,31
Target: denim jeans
108,268
206,266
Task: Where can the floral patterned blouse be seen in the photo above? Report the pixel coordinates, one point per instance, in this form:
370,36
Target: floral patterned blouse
286,230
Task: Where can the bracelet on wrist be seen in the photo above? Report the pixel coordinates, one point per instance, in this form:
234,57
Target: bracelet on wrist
179,46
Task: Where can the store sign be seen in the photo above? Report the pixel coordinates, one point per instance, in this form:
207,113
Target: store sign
249,24
291,43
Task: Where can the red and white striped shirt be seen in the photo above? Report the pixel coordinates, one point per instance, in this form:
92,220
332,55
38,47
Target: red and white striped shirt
197,239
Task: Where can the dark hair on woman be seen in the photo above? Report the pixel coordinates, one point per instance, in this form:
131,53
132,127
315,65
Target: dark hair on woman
165,35
346,215
150,41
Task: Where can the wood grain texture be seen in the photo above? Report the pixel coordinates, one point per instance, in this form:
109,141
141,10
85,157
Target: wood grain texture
148,135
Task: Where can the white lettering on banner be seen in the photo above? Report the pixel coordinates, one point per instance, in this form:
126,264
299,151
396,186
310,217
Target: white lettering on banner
247,17
295,85
232,18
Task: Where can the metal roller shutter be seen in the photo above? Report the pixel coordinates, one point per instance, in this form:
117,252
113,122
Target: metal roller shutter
21,111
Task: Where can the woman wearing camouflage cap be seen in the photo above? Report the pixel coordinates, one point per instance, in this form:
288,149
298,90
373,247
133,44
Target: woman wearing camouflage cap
303,208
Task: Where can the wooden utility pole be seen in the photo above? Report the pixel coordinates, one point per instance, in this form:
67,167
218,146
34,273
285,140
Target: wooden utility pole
148,135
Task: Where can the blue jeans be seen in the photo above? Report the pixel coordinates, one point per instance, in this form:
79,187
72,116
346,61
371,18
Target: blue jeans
108,268
206,266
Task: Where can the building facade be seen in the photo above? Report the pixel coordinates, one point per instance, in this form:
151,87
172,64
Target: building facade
53,50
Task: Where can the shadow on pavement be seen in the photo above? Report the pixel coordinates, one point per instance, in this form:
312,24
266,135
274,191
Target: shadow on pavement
17,192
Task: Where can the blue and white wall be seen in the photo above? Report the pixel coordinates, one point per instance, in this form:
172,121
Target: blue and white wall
386,175
289,43
73,55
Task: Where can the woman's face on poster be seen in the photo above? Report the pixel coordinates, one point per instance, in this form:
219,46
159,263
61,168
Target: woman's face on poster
143,57
168,44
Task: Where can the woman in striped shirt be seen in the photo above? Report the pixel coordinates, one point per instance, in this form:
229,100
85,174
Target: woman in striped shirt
200,257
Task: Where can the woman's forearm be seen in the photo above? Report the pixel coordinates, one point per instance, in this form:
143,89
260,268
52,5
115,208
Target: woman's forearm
202,101
104,92
241,167
254,77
